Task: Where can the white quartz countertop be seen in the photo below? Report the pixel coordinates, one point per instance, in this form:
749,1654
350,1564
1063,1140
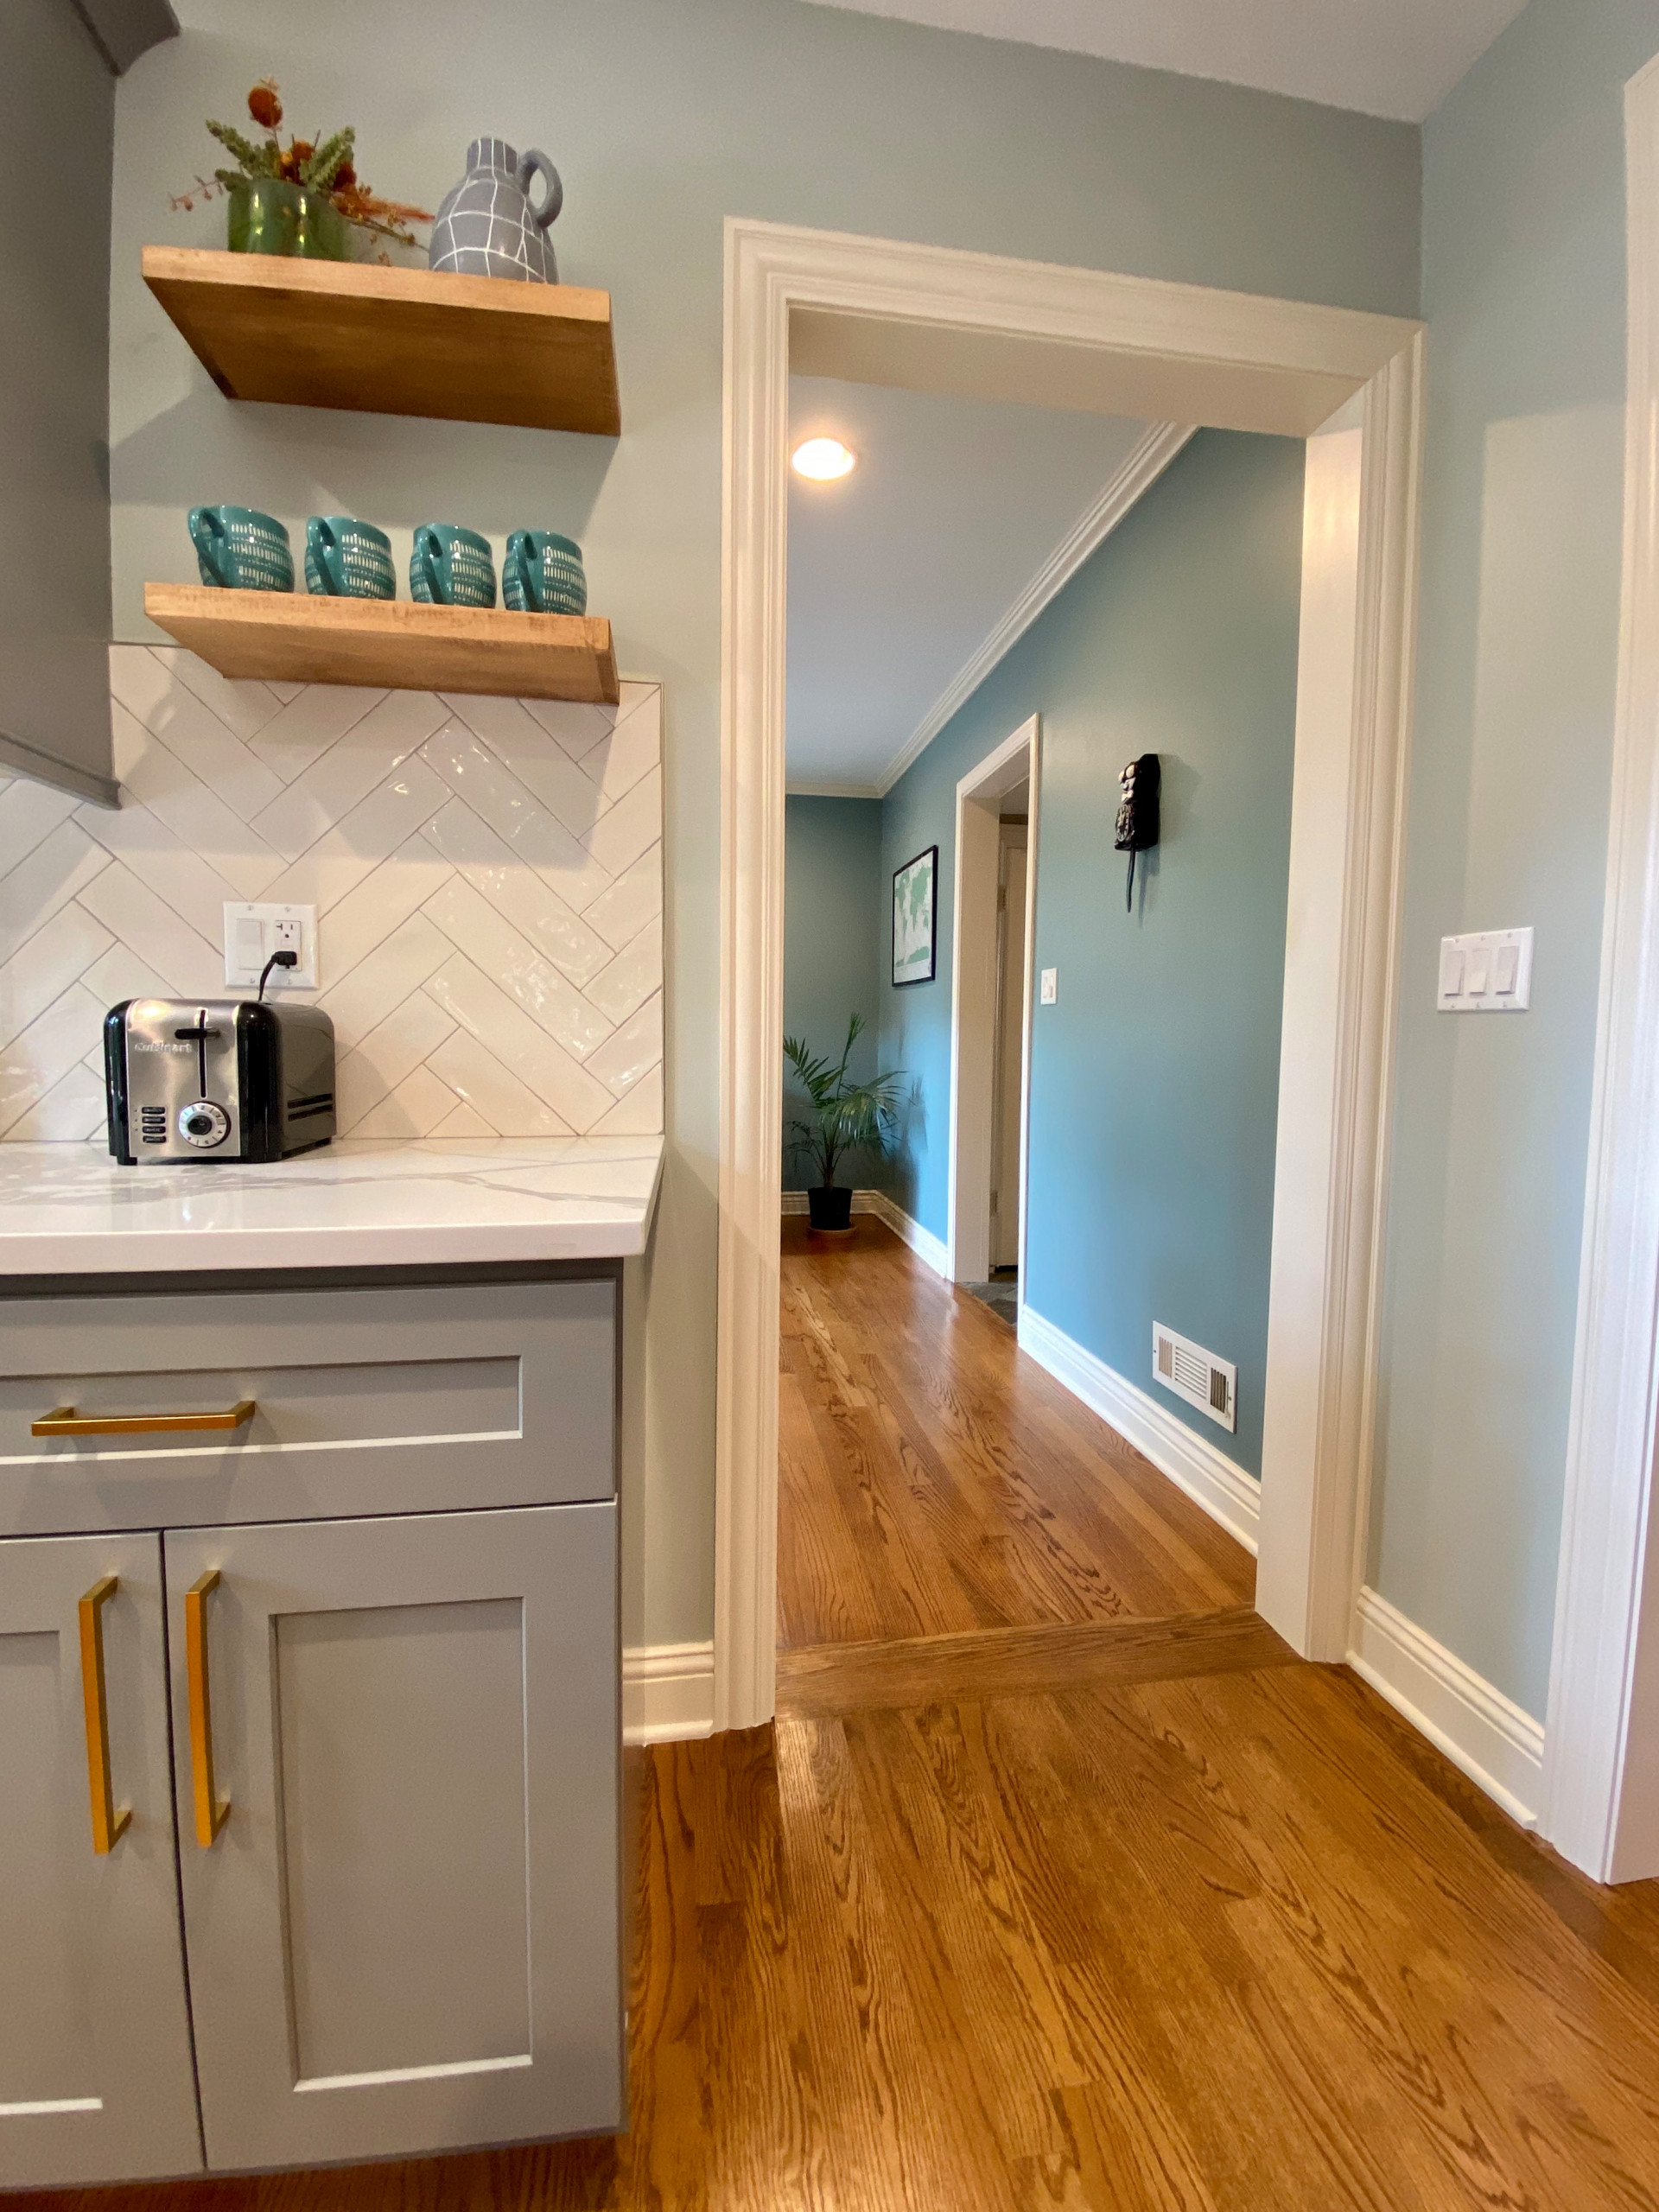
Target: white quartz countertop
67,1209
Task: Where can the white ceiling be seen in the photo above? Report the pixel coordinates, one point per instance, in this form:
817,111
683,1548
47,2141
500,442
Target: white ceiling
1397,58
898,572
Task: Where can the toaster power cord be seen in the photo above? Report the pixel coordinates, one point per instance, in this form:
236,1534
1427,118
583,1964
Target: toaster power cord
286,958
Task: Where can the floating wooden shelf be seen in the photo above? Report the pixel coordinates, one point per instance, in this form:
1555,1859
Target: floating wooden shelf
393,341
297,638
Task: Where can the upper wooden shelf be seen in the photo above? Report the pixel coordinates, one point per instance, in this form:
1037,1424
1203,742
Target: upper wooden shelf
297,638
393,341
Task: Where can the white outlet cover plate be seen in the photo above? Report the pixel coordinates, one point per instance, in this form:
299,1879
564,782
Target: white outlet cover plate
1487,971
1049,990
252,933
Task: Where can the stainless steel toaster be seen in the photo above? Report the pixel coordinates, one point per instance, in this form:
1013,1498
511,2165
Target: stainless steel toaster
219,1079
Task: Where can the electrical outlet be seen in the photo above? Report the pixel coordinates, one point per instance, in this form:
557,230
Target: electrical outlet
1049,986
253,934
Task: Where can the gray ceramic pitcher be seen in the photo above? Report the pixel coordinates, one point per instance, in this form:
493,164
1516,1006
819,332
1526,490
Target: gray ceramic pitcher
487,227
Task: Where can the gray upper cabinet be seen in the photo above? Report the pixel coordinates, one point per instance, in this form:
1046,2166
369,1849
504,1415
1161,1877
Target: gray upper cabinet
95,2073
403,1932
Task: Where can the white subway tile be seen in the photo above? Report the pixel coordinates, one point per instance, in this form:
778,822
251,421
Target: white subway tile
369,834
637,1045
60,867
29,812
632,826
44,1052
413,1109
339,780
130,910
481,780
159,780
474,926
491,866
464,1121
632,750
317,716
381,981
575,727
72,1110
521,744
621,910
242,703
42,969
192,733
521,1046
476,1076
639,1112
386,898
635,972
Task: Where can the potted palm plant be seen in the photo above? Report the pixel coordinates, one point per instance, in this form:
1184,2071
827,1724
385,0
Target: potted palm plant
846,1117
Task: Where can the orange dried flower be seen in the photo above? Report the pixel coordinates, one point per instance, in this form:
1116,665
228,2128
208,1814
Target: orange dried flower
264,105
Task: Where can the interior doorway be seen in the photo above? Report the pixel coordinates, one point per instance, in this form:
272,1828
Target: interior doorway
994,908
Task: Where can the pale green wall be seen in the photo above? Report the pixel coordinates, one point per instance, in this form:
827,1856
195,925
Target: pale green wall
834,942
666,116
1523,282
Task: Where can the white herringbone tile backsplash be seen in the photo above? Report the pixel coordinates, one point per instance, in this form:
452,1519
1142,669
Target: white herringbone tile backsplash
487,874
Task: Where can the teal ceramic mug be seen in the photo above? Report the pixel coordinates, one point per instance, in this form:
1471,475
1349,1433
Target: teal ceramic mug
543,573
451,566
347,559
240,549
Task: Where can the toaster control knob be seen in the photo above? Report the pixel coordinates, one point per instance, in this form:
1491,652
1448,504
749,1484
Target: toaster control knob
204,1124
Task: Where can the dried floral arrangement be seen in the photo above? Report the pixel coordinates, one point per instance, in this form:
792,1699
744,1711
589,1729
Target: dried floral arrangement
322,165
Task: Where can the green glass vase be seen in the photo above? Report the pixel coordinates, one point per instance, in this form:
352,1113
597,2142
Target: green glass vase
269,215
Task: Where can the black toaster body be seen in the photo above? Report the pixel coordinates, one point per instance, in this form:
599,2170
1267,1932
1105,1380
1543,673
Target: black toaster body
236,1079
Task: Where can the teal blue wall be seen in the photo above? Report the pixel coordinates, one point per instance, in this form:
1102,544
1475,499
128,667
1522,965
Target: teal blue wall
835,941
666,116
1523,286
1155,1080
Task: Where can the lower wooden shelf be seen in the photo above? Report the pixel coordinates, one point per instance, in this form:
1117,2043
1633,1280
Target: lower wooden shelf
297,638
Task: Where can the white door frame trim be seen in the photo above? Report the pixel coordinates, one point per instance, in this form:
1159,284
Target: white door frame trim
1220,357
997,768
1601,1765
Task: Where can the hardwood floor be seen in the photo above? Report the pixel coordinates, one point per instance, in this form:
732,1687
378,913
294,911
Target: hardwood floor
932,1480
1037,1900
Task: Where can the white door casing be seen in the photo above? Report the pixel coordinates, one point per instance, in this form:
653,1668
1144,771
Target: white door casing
972,322
1601,1733
95,2076
974,992
1007,1122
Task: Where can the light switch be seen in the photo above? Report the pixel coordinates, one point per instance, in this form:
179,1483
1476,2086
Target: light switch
1049,992
1489,971
253,934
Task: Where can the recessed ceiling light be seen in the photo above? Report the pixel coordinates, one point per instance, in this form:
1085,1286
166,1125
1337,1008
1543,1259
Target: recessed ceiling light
822,460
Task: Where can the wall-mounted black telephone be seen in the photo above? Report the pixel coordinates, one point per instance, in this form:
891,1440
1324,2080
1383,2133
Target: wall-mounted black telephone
1137,814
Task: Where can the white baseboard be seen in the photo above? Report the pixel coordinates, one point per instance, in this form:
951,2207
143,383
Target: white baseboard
1190,1461
1498,1746
668,1693
932,1250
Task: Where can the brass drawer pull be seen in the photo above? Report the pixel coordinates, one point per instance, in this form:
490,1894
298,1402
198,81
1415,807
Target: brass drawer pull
109,1822
210,1809
64,1420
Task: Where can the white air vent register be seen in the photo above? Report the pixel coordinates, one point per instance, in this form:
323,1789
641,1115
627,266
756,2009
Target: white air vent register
1198,1376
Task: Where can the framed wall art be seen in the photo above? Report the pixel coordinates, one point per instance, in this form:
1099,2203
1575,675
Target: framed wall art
915,917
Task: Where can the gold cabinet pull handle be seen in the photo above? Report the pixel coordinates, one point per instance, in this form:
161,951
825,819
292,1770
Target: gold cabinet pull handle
211,1808
64,1420
109,1822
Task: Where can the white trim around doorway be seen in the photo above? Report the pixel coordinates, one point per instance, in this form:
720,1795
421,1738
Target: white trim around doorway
1122,345
973,1007
1601,1740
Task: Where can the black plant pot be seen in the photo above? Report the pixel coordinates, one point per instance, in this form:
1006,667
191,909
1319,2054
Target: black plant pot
829,1207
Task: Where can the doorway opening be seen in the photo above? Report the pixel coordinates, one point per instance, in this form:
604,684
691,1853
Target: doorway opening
994,912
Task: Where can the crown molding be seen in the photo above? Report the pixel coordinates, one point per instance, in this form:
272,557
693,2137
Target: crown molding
1141,467
808,787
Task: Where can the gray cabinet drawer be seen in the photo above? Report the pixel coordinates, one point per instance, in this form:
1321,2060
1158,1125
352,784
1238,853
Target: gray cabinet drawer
371,1401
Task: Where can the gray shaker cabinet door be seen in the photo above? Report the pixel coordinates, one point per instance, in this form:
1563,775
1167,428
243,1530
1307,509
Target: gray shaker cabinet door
95,2078
405,1934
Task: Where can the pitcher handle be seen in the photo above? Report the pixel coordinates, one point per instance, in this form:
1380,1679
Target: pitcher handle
534,164
207,534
